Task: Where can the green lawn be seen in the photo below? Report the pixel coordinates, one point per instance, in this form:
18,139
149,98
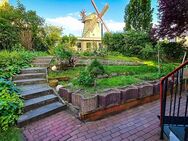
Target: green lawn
12,134
115,58
132,75
130,69
71,73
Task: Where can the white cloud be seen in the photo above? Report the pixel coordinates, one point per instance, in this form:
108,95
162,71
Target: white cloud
72,25
75,14
115,26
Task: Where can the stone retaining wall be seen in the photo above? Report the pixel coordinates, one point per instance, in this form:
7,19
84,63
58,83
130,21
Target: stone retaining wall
129,93
89,104
86,61
111,97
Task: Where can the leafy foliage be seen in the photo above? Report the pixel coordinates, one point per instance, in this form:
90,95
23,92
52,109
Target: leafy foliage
172,50
89,75
62,53
11,134
96,68
10,104
148,51
86,79
8,32
173,18
131,43
12,62
19,26
53,37
138,15
69,41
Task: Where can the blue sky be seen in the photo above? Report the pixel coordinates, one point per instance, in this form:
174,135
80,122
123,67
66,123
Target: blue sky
65,13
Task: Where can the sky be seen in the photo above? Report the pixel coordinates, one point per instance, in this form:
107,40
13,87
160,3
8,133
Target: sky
66,13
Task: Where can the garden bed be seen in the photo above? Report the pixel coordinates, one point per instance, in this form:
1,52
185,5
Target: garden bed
121,98
118,85
117,76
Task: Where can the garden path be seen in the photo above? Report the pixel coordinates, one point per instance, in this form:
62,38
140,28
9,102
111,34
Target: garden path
40,100
137,124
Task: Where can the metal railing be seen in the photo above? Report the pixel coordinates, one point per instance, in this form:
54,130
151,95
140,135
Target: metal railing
174,98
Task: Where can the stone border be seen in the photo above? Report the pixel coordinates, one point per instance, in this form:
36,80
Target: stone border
111,97
86,61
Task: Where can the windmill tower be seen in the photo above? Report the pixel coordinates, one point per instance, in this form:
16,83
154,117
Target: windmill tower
93,29
93,23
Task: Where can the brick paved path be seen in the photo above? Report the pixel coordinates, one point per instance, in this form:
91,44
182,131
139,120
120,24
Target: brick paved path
138,124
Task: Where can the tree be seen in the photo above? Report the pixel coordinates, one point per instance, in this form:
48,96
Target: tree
20,26
69,41
138,15
173,16
53,35
8,32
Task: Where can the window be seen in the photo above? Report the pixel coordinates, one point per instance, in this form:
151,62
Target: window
88,45
79,45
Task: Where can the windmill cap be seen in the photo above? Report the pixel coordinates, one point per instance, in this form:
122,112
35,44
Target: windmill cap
90,17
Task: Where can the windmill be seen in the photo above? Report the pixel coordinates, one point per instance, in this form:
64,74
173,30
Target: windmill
92,22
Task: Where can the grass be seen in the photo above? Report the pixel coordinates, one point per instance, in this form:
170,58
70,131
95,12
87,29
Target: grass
102,84
117,81
71,73
115,58
132,74
12,134
130,69
124,58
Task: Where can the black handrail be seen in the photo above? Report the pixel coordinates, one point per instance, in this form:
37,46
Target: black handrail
172,84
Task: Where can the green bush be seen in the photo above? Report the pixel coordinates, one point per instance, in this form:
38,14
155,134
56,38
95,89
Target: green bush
131,43
12,62
96,68
89,75
62,53
172,50
148,51
87,53
10,104
86,79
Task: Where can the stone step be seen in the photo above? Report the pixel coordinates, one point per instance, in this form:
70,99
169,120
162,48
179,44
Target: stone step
34,93
39,113
30,81
34,70
39,102
29,76
41,60
45,57
41,64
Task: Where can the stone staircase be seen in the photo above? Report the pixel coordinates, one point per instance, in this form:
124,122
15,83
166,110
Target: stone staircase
40,100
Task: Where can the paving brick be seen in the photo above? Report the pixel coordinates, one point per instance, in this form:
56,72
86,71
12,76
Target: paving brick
137,124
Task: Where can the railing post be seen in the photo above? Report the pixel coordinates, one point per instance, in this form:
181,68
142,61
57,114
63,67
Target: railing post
161,109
